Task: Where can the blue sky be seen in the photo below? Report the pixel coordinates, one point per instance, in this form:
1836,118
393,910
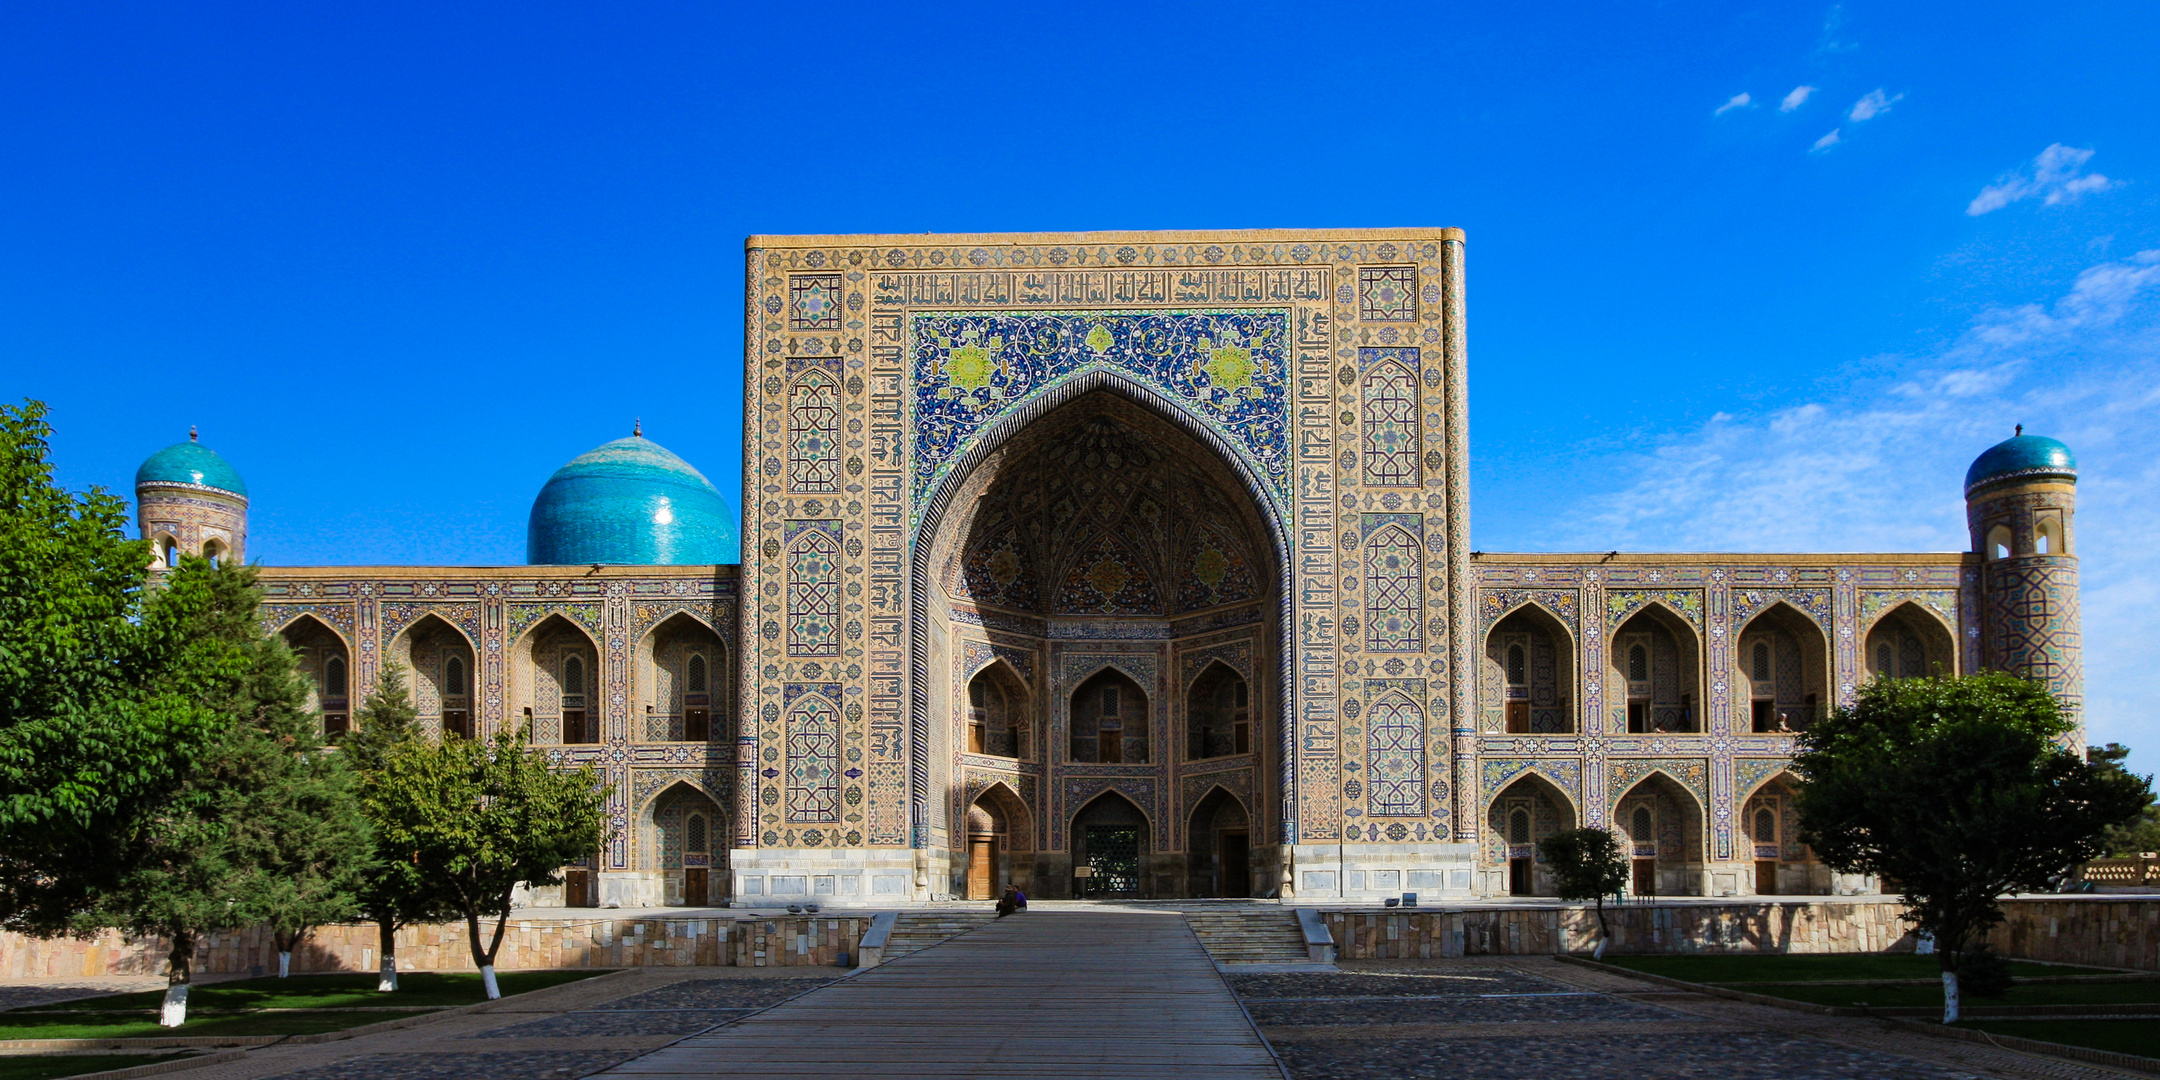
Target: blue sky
400,261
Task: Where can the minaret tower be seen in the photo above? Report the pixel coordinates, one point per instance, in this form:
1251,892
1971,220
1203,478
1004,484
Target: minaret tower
188,500
2019,500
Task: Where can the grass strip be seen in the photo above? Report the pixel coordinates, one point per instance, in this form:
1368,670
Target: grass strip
48,1066
26,1025
1887,996
418,989
1810,968
2127,1036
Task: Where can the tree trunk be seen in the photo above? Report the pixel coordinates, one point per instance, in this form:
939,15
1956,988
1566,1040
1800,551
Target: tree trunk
387,983
287,941
179,972
1950,996
284,963
485,959
1604,931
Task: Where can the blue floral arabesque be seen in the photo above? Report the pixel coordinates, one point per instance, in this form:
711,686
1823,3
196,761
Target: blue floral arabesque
1230,368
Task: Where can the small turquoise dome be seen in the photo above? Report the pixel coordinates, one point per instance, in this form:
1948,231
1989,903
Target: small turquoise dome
2022,457
630,502
193,463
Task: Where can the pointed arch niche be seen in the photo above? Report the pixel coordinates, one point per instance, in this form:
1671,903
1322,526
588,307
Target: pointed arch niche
1782,671
1000,835
682,841
1527,681
1525,812
1663,825
1219,840
683,680
1655,671
555,683
326,663
1769,836
1110,838
1909,642
1127,575
440,660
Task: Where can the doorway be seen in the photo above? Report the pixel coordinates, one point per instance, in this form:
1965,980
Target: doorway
1766,877
1235,852
1518,874
982,868
1646,877
577,888
696,886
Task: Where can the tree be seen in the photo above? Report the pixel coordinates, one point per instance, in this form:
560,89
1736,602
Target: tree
264,827
2140,833
395,892
1588,865
93,735
1958,789
480,819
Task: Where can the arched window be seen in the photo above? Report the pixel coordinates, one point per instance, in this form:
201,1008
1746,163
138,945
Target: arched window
573,676
1518,673
694,676
212,551
1998,542
1644,834
1761,672
695,840
2047,536
333,678
1885,661
1638,664
172,553
1519,827
1765,827
454,682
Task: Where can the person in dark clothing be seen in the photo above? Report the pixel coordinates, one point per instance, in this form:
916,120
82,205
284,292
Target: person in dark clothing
1010,902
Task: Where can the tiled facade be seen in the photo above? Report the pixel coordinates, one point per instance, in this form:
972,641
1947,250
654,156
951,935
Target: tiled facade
1148,553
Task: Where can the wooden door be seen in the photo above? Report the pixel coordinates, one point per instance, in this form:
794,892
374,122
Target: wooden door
1518,717
696,890
1519,878
1646,877
577,888
1236,862
982,868
1766,877
1110,746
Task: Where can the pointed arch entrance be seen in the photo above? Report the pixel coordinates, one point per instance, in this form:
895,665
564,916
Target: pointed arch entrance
1219,838
1118,573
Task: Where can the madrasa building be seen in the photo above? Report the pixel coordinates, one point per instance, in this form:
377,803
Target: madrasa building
1138,564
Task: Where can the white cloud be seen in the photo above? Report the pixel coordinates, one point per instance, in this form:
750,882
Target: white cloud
1878,465
1797,98
1737,101
2057,175
1873,105
1828,141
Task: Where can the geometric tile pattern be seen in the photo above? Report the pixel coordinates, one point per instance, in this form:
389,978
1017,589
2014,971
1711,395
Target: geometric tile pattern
1391,422
1387,294
813,753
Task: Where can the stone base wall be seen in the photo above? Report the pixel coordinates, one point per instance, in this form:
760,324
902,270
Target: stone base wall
785,941
2107,931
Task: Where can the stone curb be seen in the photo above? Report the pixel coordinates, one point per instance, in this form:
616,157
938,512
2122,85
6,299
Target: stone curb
2006,1042
157,1067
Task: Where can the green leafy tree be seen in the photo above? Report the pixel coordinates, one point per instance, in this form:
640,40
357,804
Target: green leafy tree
480,819
2141,832
93,734
265,826
1960,790
396,893
1587,864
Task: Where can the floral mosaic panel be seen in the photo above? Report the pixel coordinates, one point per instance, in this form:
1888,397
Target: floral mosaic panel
1107,579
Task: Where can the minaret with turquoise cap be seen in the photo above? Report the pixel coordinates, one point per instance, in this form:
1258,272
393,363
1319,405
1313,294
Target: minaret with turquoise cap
190,501
2020,498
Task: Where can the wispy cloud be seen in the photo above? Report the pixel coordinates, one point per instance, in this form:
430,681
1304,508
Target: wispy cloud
1878,465
1874,104
2056,175
1797,98
1827,141
1737,101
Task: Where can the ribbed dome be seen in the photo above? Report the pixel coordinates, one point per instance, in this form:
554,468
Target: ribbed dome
2022,457
632,503
190,463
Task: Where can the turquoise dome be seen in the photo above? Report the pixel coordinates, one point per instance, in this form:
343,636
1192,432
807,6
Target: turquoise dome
2022,457
191,463
630,502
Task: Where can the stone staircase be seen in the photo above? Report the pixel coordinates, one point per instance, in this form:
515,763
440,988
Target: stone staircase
917,930
1250,937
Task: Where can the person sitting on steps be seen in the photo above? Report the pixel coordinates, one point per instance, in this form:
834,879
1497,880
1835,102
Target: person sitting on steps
1012,901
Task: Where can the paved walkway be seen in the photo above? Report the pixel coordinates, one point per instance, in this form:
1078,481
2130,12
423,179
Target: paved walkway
1048,994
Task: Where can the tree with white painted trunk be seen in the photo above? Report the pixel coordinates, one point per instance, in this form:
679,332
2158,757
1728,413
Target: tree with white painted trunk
395,893
1959,790
1587,864
481,819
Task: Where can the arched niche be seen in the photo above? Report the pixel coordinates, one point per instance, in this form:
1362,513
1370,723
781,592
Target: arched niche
1110,838
1219,842
1768,833
1781,661
1218,713
683,682
1109,720
444,676
1526,682
1523,813
1000,843
1664,826
1909,642
998,718
555,683
325,662
683,841
1655,672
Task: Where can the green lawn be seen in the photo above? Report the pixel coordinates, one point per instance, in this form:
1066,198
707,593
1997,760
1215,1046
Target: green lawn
144,1025
2126,1036
47,1066
1786,969
1883,996
418,989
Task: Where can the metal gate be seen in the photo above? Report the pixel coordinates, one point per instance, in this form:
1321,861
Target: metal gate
1114,852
